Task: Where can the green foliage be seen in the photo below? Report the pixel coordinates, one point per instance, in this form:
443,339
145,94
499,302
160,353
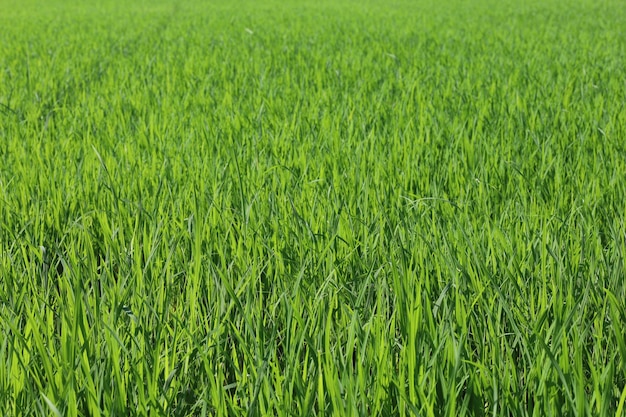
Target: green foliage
312,208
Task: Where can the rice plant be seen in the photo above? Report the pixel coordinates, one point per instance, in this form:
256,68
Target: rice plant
312,208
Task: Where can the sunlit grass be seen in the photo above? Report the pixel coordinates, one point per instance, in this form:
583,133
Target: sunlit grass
326,208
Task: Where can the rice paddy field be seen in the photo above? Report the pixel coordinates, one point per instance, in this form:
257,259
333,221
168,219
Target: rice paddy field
312,208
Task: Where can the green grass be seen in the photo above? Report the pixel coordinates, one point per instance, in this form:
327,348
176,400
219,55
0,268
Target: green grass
312,208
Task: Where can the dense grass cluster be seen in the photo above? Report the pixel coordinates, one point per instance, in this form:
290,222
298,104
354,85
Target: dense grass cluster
312,208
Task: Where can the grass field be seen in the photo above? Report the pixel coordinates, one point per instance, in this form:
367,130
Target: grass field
322,208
